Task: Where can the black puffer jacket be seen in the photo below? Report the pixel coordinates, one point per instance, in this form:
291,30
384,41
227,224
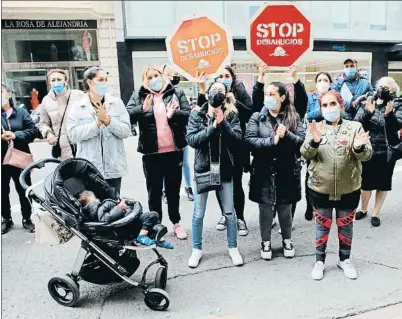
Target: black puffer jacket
377,123
108,211
275,169
148,140
204,138
23,127
244,106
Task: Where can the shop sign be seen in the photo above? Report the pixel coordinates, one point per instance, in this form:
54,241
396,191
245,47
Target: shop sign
49,24
199,45
279,34
46,65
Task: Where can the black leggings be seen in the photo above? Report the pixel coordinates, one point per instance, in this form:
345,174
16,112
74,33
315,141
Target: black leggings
115,182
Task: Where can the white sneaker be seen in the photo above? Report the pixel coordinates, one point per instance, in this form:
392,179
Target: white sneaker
318,270
237,259
266,252
221,225
288,248
195,258
347,268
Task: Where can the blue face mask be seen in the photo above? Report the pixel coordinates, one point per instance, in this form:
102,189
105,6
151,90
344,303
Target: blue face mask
331,114
227,82
350,72
270,103
156,84
101,88
58,87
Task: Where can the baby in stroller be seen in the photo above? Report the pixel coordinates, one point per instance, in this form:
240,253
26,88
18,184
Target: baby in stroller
110,211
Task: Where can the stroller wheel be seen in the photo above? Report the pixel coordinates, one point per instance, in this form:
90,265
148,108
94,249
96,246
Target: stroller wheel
157,299
64,290
161,278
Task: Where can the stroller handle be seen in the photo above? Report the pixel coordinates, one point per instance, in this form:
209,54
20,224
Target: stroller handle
39,164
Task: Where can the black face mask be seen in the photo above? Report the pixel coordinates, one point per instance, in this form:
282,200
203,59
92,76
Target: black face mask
216,100
175,80
385,94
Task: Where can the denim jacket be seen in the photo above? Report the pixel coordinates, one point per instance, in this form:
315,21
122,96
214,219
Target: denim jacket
102,146
313,107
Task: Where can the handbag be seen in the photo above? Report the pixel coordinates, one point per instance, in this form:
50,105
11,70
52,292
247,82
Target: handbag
209,181
47,230
394,152
15,157
56,149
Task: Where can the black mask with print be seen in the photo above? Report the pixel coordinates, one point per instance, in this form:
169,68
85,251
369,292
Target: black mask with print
385,94
216,100
175,80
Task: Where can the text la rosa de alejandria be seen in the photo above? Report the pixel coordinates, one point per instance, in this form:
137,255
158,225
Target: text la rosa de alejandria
199,47
279,34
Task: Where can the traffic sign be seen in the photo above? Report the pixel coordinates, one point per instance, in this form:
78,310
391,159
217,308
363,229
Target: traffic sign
279,34
199,45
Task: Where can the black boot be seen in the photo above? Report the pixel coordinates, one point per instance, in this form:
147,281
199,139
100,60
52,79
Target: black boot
189,192
6,225
27,224
308,215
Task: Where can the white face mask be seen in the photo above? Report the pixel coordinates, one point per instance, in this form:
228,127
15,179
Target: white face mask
322,87
331,114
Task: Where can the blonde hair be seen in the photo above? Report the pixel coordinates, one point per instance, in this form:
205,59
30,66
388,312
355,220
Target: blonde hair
389,82
147,69
61,71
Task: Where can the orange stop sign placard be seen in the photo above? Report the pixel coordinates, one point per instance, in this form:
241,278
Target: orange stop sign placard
199,45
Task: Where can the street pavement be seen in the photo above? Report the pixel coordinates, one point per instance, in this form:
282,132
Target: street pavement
280,289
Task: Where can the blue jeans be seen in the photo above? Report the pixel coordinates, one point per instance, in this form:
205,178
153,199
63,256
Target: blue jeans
200,203
186,168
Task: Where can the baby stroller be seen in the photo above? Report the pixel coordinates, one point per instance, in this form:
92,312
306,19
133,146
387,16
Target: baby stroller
108,253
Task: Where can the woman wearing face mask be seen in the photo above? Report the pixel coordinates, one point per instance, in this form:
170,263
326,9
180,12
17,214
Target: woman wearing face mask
174,79
382,116
275,135
55,107
16,128
323,81
98,124
162,114
336,148
236,91
213,131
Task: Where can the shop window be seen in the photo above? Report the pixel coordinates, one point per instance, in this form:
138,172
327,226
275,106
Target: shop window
49,45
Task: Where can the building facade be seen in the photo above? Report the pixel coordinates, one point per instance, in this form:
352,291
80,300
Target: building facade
367,32
42,35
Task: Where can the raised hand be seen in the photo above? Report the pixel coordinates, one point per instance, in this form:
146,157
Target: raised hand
294,73
262,68
218,117
147,103
172,107
202,81
370,106
389,107
276,139
281,130
315,129
102,114
361,139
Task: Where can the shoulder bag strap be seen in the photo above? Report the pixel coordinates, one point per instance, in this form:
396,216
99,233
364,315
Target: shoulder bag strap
62,119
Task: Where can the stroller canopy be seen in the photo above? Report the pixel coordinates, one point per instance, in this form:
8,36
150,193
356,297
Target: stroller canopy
70,178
